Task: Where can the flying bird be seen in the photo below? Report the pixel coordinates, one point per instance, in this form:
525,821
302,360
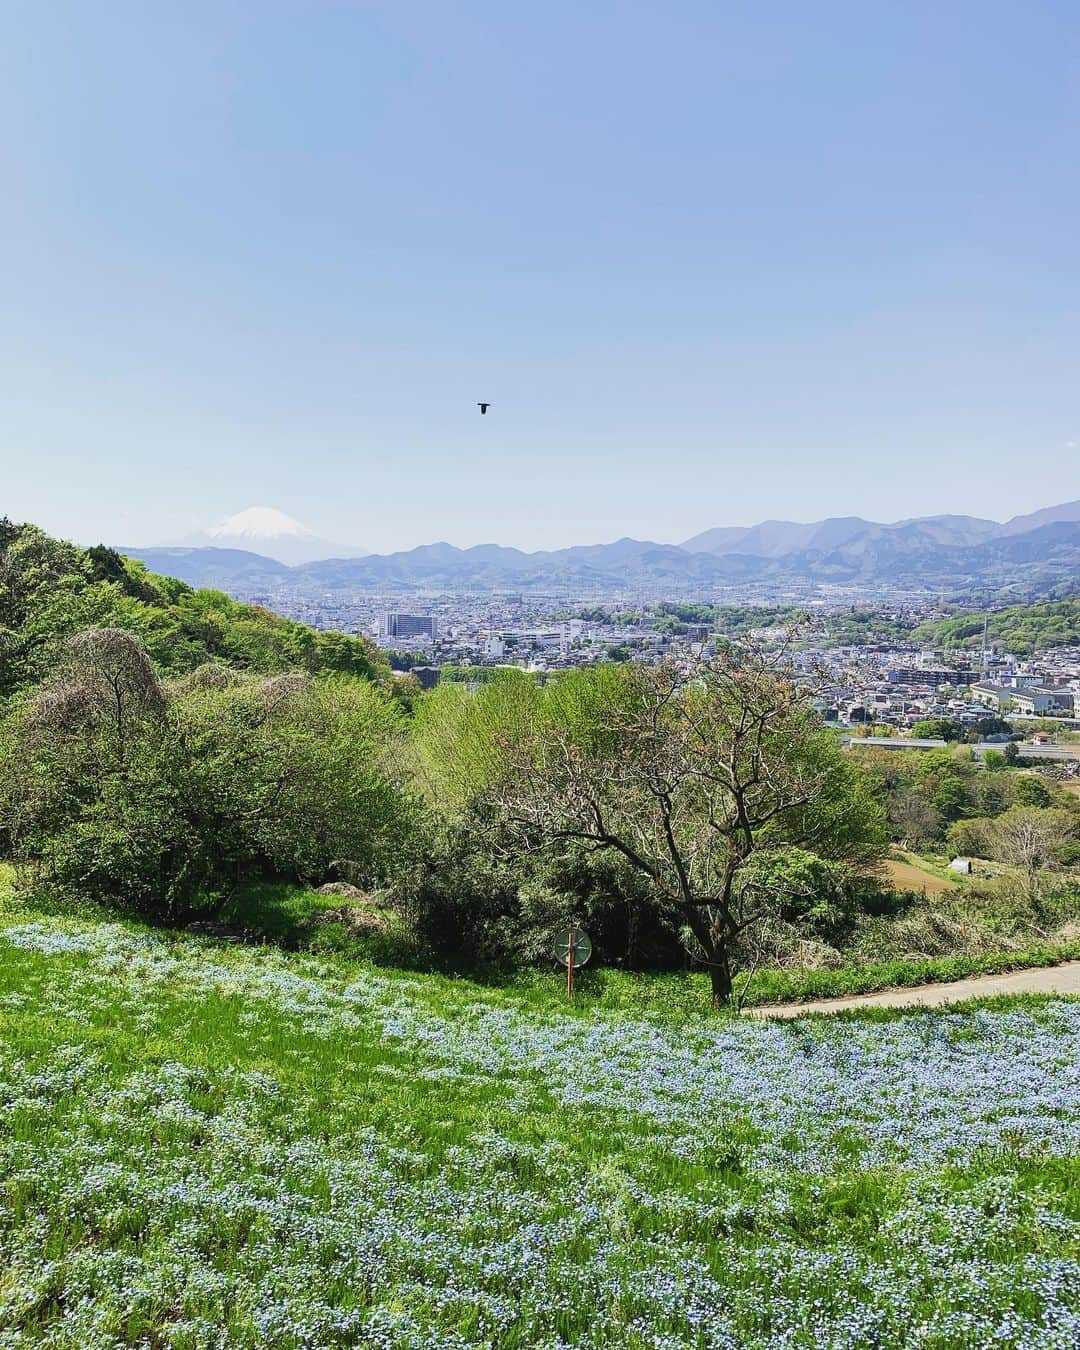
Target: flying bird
483,408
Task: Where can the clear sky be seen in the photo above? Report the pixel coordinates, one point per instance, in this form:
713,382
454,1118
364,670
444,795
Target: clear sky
711,262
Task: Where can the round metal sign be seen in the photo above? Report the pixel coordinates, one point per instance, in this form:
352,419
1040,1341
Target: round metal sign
582,946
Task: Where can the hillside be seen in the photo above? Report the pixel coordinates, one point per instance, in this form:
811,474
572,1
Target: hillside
213,1145
1021,628
50,589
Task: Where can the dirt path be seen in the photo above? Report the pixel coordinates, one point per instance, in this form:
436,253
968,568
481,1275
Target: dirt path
1062,979
905,876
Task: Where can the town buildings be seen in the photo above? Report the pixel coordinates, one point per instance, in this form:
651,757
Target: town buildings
409,626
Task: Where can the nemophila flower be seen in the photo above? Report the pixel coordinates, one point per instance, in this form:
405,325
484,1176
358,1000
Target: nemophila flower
493,1177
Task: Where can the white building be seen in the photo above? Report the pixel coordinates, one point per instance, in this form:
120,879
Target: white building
994,696
1041,700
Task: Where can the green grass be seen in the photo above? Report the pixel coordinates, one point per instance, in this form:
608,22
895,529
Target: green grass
292,916
208,1144
280,911
785,986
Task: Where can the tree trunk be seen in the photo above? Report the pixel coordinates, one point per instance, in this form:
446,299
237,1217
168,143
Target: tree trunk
720,978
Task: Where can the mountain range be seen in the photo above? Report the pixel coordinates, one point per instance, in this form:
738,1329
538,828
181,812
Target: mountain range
1035,555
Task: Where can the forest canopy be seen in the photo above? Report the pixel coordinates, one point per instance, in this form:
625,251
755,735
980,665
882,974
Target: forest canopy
1020,628
51,589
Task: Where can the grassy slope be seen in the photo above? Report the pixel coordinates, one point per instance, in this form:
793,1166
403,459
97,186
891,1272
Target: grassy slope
290,915
201,1141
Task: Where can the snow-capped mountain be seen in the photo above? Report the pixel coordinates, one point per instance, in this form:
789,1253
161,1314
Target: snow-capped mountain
273,534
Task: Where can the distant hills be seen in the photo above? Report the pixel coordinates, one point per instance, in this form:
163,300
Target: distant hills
1028,556
782,538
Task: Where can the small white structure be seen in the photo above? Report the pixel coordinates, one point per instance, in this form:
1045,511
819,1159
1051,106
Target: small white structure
961,865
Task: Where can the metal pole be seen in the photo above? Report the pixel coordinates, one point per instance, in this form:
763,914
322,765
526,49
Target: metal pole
570,967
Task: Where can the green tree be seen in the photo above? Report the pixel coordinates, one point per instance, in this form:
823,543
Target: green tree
50,590
814,894
938,728
690,775
1030,791
971,838
459,737
952,799
159,797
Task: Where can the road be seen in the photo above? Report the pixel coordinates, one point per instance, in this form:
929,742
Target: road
1062,979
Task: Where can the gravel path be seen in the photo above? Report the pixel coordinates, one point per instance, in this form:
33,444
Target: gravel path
1061,979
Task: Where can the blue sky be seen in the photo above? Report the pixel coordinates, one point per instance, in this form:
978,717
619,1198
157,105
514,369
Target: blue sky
711,263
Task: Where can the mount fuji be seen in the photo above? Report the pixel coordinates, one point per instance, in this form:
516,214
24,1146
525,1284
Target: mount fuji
272,534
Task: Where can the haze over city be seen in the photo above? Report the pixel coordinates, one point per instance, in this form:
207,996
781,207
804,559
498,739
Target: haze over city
710,265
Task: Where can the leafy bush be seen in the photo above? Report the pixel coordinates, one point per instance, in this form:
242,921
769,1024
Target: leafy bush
161,797
602,893
1029,791
951,799
938,728
970,838
459,901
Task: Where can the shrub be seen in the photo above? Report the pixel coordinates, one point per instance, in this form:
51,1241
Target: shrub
160,798
1029,791
971,838
952,799
602,893
459,901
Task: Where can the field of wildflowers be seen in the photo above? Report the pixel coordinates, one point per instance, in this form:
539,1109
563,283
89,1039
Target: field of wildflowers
205,1145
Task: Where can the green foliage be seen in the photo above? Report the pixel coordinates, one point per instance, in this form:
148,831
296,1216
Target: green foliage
602,893
946,729
160,798
1020,628
837,628
951,800
459,901
1030,791
468,674
989,726
970,838
816,896
938,728
924,792
459,737
156,756
479,755
406,661
1025,836
50,590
